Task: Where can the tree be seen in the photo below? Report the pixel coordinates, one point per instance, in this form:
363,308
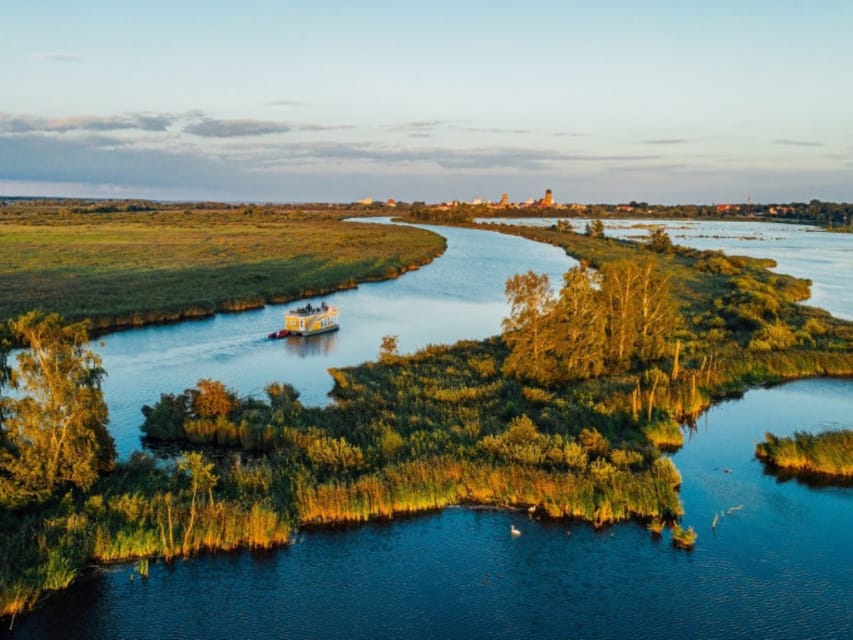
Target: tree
595,228
388,350
659,240
565,226
577,326
54,428
212,399
641,312
531,300
618,290
203,480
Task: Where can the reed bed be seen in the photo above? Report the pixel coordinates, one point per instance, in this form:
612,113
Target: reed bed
829,453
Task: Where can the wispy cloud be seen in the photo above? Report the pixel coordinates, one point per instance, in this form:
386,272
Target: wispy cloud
110,123
495,130
418,125
482,158
286,103
27,124
56,56
798,143
665,141
212,128
323,127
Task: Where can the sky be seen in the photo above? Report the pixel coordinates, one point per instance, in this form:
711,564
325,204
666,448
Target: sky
280,101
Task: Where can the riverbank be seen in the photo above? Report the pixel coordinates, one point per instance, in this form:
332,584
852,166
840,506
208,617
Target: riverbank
416,432
130,269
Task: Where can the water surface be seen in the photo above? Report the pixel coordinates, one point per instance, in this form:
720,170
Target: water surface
458,296
799,250
778,564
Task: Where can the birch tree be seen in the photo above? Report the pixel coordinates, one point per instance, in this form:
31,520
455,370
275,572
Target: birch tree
525,332
577,326
54,425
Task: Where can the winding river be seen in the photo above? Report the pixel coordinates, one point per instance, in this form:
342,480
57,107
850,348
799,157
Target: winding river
778,564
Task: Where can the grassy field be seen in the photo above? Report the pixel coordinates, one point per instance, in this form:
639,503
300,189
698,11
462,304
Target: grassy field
132,268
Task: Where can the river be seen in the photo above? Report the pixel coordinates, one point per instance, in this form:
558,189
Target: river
777,565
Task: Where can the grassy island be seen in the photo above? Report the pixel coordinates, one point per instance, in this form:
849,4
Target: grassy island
127,268
564,415
825,454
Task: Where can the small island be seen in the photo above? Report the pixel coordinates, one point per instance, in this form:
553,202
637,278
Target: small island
828,454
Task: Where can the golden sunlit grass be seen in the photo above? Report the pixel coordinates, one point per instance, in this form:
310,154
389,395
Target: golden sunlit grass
129,269
828,453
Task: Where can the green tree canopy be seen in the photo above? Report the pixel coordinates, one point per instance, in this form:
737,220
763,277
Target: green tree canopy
54,428
602,322
531,301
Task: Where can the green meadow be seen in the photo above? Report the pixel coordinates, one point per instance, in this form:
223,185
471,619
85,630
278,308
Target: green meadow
122,269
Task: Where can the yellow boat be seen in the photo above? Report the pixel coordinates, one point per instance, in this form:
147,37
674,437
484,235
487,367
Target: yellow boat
308,320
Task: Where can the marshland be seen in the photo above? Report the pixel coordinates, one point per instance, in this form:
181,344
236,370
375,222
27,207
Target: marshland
438,425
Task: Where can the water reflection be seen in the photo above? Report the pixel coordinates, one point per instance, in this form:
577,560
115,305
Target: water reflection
321,345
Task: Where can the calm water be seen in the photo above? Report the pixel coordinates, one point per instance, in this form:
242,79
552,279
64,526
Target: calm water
778,565
459,296
802,251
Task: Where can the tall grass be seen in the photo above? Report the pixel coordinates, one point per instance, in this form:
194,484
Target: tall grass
829,453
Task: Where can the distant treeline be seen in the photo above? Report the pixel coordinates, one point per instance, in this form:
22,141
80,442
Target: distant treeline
831,215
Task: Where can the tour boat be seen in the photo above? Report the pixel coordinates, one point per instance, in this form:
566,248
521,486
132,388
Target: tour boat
308,320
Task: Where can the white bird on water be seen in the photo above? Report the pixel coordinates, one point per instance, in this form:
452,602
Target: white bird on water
514,531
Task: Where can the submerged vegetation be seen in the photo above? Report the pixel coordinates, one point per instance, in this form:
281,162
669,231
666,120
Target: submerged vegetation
829,453
568,412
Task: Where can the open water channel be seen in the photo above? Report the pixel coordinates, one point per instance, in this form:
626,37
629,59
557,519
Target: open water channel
778,565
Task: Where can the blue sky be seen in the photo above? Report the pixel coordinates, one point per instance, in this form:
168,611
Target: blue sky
334,101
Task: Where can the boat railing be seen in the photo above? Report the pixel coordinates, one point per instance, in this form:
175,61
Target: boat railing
309,310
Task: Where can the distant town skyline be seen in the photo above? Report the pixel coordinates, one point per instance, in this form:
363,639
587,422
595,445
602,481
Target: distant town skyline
291,102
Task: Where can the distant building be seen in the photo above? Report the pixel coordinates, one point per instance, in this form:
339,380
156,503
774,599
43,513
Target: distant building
547,202
366,201
391,203
728,208
504,203
775,211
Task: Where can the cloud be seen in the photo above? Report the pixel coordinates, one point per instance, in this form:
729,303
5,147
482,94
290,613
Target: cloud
95,159
497,130
665,141
798,143
110,123
484,158
324,127
29,124
274,171
56,56
212,128
286,103
418,125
